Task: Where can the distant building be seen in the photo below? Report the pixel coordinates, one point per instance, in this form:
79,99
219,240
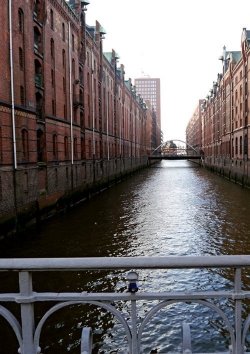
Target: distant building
194,128
150,90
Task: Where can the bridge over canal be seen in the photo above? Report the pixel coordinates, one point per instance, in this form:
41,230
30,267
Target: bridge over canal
176,150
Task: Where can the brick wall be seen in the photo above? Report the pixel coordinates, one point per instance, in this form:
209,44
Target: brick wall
77,122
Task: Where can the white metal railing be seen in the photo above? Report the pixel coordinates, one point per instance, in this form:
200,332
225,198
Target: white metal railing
28,333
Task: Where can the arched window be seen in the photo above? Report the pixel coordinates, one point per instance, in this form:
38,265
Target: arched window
55,147
240,145
81,97
73,42
25,146
82,148
65,111
52,78
20,20
88,82
64,85
40,146
63,58
88,58
75,114
81,120
63,31
51,19
89,118
73,69
21,62
52,49
75,147
39,104
22,96
53,107
66,147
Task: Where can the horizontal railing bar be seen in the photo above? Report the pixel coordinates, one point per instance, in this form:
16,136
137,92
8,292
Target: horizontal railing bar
84,296
64,264
139,296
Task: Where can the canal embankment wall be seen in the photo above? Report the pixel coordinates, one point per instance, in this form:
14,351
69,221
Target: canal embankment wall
64,187
235,170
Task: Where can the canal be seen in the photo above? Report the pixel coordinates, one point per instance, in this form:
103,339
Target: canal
172,208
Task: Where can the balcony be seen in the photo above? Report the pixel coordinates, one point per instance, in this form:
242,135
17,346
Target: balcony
28,334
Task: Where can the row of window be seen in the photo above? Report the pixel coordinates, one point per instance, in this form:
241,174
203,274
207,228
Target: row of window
38,13
63,30
41,145
25,149
238,148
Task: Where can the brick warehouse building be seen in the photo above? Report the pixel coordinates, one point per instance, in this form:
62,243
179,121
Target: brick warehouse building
222,123
69,121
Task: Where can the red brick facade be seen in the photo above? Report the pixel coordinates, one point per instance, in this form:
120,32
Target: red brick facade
224,117
68,118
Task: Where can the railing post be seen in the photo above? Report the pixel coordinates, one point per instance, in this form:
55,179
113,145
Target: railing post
86,340
186,345
238,313
27,313
135,349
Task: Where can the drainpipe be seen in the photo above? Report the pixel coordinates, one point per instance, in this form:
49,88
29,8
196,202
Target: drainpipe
71,106
121,120
93,103
13,114
93,113
70,97
107,109
12,87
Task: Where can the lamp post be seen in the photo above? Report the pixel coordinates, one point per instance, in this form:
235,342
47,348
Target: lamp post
132,278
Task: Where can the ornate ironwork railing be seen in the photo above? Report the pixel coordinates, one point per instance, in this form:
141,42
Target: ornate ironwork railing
28,333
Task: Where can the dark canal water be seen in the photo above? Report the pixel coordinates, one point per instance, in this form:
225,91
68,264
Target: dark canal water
173,208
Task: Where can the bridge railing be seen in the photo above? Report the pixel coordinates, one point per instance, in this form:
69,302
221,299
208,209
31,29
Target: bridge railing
28,332
178,151
176,154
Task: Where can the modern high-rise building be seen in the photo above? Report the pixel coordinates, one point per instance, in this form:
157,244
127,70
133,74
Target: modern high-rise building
150,91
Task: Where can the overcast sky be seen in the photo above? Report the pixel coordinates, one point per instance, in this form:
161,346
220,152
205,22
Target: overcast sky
178,41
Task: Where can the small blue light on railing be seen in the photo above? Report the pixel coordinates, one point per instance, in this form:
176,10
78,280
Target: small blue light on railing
132,278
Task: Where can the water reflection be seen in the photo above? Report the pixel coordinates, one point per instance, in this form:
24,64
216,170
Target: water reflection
173,208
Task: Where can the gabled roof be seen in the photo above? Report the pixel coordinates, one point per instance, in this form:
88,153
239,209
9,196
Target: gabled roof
91,30
234,55
108,56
